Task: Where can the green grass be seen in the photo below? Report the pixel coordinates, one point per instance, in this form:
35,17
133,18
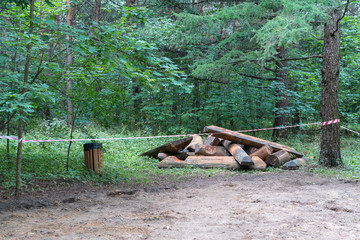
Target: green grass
350,153
47,161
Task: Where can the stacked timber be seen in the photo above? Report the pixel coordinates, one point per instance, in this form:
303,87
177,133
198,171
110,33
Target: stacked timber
226,149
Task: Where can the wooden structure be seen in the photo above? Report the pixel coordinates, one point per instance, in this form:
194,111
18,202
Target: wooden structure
248,140
93,157
247,152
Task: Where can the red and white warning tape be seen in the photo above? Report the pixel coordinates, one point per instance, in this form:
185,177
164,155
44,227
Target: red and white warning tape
350,130
330,122
167,136
280,127
9,137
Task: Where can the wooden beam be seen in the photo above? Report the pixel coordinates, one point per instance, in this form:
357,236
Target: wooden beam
247,140
172,147
226,162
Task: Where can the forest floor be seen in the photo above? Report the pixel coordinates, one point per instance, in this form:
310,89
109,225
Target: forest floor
269,205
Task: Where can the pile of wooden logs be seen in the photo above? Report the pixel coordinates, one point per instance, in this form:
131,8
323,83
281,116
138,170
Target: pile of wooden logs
227,149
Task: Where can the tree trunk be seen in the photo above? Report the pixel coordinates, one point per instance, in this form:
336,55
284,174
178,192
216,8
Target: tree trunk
70,21
8,134
97,8
281,115
330,134
24,90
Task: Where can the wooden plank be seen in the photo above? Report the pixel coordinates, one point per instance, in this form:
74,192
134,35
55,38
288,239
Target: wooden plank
238,153
86,159
207,150
225,162
96,160
173,147
101,161
247,140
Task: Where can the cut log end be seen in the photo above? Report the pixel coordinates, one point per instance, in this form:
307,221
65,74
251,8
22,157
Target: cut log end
295,164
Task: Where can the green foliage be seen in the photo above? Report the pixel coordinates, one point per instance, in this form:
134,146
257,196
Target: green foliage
47,161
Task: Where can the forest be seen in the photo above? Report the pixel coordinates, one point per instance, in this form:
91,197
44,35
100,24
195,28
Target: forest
94,69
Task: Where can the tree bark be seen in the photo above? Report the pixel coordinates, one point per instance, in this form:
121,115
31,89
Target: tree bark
21,112
70,21
330,134
97,8
281,115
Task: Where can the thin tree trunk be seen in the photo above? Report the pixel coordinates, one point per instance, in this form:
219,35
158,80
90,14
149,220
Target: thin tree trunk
70,20
8,134
281,115
97,13
24,90
330,134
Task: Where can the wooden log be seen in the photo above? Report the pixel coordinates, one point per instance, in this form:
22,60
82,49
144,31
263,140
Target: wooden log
226,162
162,156
247,140
226,144
213,141
259,164
180,155
196,140
171,162
262,152
238,153
277,159
173,147
295,164
250,150
207,150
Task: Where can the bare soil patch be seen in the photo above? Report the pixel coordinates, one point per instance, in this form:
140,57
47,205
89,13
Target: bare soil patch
286,205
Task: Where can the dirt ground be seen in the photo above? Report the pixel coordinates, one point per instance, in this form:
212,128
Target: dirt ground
286,205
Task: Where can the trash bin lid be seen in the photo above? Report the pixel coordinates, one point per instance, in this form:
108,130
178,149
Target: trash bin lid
89,146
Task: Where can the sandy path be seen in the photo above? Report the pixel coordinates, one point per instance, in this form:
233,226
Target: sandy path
293,205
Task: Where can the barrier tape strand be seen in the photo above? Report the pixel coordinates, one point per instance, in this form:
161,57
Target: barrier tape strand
167,136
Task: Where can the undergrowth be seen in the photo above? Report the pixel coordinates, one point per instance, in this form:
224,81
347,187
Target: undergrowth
123,163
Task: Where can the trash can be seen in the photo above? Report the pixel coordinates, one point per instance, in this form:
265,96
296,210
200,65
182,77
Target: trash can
93,157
